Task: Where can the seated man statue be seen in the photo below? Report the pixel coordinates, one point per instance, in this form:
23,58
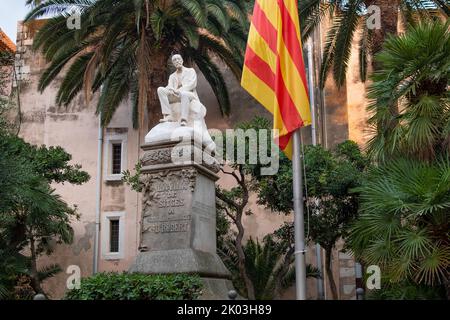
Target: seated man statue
181,89
182,110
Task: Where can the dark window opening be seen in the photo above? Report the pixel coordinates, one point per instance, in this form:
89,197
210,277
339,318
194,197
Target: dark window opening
114,236
116,158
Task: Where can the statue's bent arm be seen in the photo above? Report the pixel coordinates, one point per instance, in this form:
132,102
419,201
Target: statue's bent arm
172,83
191,81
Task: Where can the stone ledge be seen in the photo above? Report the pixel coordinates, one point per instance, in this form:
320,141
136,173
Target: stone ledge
158,157
188,261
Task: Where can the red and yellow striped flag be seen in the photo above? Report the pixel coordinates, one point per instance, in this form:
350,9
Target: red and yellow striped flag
274,71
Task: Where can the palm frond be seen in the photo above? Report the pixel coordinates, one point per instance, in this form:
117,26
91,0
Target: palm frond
140,32
57,7
404,221
48,271
197,9
328,52
364,52
73,81
215,79
348,22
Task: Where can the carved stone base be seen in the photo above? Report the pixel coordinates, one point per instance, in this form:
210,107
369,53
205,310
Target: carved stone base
178,226
189,261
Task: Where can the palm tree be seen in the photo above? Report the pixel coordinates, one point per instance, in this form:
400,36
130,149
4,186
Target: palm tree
16,267
269,266
349,17
12,264
404,223
123,47
414,75
30,214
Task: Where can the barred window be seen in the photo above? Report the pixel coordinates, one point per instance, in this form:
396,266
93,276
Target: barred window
114,236
116,158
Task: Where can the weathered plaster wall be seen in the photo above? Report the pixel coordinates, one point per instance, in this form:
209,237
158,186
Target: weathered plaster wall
74,128
358,130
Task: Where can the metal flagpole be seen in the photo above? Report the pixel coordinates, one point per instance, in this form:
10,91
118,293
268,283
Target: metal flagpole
320,288
299,219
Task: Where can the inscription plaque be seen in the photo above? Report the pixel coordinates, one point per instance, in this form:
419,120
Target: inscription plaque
168,227
166,221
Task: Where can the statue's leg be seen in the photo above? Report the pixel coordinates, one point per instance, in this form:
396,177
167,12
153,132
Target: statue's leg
186,97
163,95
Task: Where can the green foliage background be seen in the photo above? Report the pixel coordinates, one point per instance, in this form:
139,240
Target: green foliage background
134,286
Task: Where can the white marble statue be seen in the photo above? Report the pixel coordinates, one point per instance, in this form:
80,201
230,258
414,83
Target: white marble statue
181,89
183,113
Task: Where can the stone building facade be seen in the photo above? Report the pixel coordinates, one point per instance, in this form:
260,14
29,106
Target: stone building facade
6,46
340,115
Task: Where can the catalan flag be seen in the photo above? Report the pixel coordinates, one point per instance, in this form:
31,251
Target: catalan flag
274,71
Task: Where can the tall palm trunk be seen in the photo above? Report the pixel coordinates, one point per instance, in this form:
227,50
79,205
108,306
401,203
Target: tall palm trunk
241,258
389,19
389,10
329,271
34,273
158,77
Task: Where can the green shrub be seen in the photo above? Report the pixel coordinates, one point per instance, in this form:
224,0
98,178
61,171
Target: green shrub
134,286
407,291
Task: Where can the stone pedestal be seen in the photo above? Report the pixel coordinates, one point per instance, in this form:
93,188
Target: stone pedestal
178,226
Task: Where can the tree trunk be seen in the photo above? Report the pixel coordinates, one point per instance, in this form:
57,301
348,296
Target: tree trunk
239,208
283,271
241,257
34,273
389,20
329,272
158,78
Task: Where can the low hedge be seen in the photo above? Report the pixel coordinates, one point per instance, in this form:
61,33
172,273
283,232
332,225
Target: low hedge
135,286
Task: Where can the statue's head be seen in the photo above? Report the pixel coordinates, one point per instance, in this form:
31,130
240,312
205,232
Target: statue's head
177,61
